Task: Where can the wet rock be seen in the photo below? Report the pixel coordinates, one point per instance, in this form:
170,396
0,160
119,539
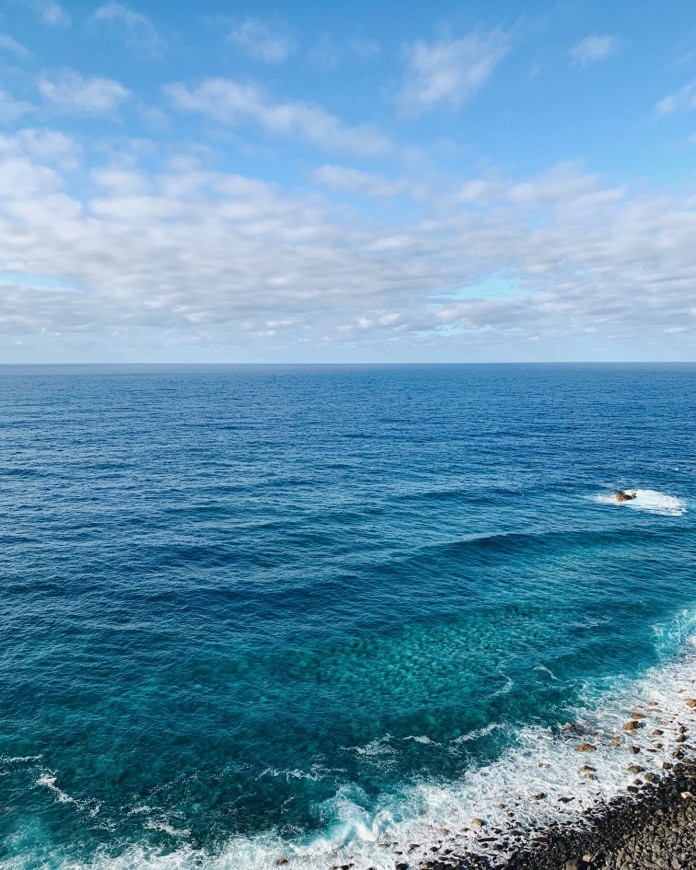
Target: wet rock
635,768
633,725
586,747
477,823
634,750
539,797
282,861
691,702
637,715
658,732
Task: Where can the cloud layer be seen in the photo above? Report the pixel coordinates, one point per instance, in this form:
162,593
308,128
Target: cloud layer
227,260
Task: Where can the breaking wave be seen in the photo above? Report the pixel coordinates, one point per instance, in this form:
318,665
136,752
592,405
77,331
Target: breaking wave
649,500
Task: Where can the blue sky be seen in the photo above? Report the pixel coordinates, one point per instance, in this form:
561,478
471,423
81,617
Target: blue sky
310,182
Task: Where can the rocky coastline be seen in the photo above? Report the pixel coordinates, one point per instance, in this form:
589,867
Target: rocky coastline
618,793
653,826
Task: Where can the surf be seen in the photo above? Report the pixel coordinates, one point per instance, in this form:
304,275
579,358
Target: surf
650,501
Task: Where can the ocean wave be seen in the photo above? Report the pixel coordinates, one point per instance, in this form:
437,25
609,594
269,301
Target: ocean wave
649,500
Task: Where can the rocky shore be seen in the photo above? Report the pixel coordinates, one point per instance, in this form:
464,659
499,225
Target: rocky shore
651,824
654,827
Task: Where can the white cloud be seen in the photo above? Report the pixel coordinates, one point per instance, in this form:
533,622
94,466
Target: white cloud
683,99
136,29
262,40
448,72
46,146
8,43
51,13
355,181
189,255
235,104
11,109
70,92
329,54
593,48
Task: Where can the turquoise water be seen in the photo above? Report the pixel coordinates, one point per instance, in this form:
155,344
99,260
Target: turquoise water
243,603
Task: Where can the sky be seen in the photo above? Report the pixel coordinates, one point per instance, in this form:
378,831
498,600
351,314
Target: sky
228,182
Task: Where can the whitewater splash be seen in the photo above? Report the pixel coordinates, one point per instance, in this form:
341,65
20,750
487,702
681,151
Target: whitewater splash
649,500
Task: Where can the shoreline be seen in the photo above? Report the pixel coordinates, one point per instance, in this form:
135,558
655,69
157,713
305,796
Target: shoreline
651,827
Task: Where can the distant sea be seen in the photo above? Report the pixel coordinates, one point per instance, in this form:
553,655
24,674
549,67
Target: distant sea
326,613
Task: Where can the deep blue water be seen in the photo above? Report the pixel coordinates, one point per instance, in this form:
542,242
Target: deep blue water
230,595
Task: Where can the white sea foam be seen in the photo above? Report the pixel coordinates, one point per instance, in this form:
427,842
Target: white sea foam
167,828
89,804
18,759
649,500
477,733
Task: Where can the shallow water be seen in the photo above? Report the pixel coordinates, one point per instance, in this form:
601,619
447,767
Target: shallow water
260,611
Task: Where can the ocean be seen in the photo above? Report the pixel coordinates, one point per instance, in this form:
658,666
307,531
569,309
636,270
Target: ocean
330,614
